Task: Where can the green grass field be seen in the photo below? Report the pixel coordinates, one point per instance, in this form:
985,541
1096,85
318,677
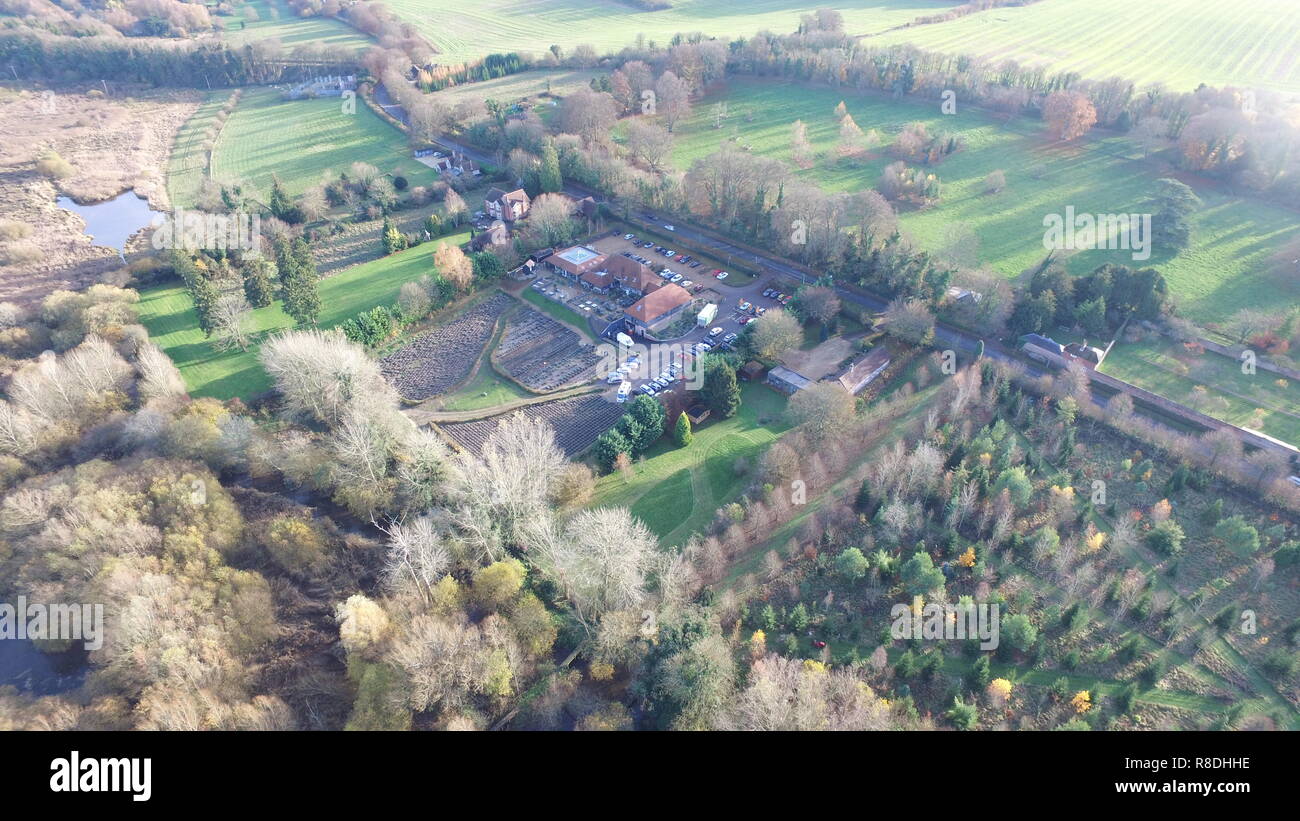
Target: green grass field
188,161
276,21
1181,43
304,140
486,390
1226,269
169,315
1165,367
675,491
464,31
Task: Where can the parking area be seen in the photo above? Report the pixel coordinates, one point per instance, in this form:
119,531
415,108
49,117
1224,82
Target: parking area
736,307
604,308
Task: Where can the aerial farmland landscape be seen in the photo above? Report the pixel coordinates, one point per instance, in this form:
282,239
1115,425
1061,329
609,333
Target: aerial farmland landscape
552,365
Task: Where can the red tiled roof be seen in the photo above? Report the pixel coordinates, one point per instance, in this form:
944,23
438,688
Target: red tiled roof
657,303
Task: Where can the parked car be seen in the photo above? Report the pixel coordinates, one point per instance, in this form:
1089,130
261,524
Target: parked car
686,283
731,337
785,299
623,391
722,275
715,331
695,265
760,311
628,236
614,378
648,245
745,305
676,277
669,228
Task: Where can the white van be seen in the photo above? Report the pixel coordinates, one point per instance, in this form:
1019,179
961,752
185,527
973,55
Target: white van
623,391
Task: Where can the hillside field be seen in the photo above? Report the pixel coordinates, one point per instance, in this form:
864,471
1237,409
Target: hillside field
676,490
302,141
276,21
465,31
1181,43
1226,268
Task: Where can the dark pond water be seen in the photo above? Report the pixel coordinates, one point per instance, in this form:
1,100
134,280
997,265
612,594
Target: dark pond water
112,222
23,666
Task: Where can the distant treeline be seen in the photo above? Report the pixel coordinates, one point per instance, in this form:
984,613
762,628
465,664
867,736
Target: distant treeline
188,64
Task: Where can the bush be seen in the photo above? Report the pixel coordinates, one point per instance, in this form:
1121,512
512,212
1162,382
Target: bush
1166,538
11,230
295,544
51,165
369,327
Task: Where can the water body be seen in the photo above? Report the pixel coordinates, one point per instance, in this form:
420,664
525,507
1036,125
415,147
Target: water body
24,666
112,222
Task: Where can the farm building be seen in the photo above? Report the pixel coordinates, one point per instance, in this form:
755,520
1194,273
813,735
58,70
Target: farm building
507,205
751,371
328,86
859,374
625,274
697,414
1042,348
657,308
576,261
1090,356
964,295
786,380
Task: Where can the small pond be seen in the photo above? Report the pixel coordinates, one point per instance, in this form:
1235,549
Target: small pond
112,222
24,666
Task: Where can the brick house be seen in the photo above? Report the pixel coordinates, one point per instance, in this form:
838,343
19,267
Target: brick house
657,308
507,206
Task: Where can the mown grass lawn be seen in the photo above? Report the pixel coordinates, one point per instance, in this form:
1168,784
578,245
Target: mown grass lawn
486,390
168,313
675,491
188,161
1165,367
1227,267
1181,43
303,141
